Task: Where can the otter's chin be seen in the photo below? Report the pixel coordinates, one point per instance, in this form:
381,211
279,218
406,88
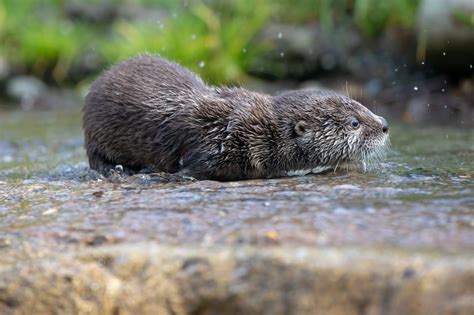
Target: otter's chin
374,153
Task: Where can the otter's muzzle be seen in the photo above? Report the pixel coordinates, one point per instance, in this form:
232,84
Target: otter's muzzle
384,124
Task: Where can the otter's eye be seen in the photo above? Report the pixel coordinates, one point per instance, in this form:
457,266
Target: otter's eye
355,123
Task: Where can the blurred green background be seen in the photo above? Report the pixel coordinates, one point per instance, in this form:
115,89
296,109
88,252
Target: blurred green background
402,54
66,42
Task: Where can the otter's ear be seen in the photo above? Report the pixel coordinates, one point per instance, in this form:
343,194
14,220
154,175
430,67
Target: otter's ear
300,127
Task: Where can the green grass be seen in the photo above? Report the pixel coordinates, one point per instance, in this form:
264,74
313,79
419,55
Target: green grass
213,37
217,45
464,18
374,16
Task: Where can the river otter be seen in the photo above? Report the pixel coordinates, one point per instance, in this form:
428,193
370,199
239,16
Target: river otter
148,113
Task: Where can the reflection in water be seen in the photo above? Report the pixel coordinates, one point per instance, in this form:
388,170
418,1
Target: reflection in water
421,197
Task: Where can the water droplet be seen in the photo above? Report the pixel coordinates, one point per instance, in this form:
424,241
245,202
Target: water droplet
50,211
470,66
445,106
393,83
282,54
444,53
193,37
427,105
415,88
442,90
279,35
244,50
396,69
202,64
422,62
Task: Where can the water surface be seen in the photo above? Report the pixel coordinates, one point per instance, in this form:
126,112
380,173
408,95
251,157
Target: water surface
421,197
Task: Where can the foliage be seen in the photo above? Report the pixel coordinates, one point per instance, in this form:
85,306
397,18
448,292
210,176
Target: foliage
373,16
42,40
213,37
464,18
215,41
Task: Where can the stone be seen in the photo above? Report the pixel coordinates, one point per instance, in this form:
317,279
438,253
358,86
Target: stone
32,93
299,52
153,279
25,89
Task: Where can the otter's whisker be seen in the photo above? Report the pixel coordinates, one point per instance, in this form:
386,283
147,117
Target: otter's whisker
337,165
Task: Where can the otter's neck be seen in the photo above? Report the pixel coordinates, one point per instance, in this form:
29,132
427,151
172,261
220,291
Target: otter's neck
290,155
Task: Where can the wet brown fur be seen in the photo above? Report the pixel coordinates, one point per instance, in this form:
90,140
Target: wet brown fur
148,113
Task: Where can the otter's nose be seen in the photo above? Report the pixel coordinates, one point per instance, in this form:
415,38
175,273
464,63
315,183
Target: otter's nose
384,124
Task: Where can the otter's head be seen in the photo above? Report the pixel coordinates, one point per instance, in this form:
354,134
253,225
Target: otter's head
327,129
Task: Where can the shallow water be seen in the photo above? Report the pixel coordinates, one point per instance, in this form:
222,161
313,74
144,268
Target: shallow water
421,197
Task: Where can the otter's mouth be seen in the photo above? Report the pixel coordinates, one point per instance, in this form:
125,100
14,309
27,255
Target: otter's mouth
366,156
374,152
369,156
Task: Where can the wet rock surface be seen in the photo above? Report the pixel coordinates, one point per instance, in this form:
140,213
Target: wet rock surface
398,239
326,210
152,279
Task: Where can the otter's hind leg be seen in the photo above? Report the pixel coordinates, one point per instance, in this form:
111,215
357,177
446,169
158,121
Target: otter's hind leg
104,166
99,163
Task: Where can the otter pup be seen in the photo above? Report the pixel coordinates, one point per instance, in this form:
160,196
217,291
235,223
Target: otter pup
148,113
